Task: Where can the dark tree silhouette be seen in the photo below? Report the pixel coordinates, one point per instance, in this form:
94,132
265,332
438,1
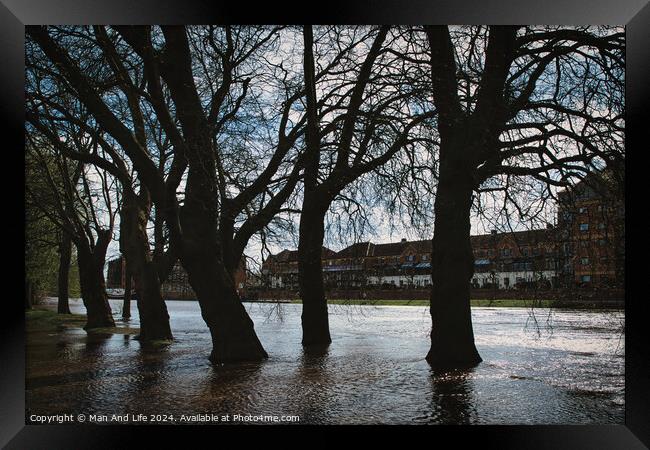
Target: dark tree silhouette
368,128
193,87
513,103
65,254
75,204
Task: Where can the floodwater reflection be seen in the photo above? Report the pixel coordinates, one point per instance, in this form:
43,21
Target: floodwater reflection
373,372
452,399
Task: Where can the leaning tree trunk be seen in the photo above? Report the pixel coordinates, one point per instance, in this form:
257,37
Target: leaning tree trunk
233,332
315,320
452,267
93,290
65,253
134,244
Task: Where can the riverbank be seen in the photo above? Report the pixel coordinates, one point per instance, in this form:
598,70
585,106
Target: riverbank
44,320
497,303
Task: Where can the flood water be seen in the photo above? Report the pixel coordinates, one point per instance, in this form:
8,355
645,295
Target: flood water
540,367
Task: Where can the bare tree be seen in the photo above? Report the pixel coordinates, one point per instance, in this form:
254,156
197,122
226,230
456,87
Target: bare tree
513,103
204,87
369,119
78,201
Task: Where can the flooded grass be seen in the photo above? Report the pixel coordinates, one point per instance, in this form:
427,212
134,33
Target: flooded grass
504,303
564,367
47,320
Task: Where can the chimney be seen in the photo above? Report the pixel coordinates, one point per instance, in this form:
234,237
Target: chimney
403,240
493,231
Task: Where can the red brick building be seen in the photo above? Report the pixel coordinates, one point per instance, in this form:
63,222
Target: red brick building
177,285
503,260
591,220
586,248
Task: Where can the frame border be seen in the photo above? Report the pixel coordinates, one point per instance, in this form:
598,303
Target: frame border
634,14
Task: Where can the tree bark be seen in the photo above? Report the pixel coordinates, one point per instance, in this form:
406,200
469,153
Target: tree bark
452,267
126,303
134,244
232,330
93,289
202,256
65,253
315,321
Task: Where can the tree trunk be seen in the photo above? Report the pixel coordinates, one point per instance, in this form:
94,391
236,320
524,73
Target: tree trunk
232,330
134,244
93,290
315,320
201,253
452,267
65,253
126,303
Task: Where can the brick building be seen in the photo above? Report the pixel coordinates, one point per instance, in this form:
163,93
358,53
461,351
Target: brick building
586,248
591,223
176,286
502,260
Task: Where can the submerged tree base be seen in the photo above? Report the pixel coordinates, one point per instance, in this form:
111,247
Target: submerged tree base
236,356
99,323
238,348
444,361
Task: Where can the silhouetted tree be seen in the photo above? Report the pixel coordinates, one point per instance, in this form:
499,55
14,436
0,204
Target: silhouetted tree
194,84
369,120
513,104
76,202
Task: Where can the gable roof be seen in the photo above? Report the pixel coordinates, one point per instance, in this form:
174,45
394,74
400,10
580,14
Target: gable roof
292,255
355,250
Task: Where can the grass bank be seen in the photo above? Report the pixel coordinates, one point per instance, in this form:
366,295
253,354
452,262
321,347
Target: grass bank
47,320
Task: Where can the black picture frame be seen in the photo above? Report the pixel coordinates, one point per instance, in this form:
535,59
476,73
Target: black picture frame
634,14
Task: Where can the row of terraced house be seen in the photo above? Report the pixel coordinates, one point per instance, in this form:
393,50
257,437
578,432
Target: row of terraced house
585,248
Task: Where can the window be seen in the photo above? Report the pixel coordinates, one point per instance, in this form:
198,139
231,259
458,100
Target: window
583,210
584,261
525,251
506,252
584,227
425,257
601,226
410,258
585,278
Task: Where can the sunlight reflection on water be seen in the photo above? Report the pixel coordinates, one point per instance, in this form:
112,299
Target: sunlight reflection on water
547,367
